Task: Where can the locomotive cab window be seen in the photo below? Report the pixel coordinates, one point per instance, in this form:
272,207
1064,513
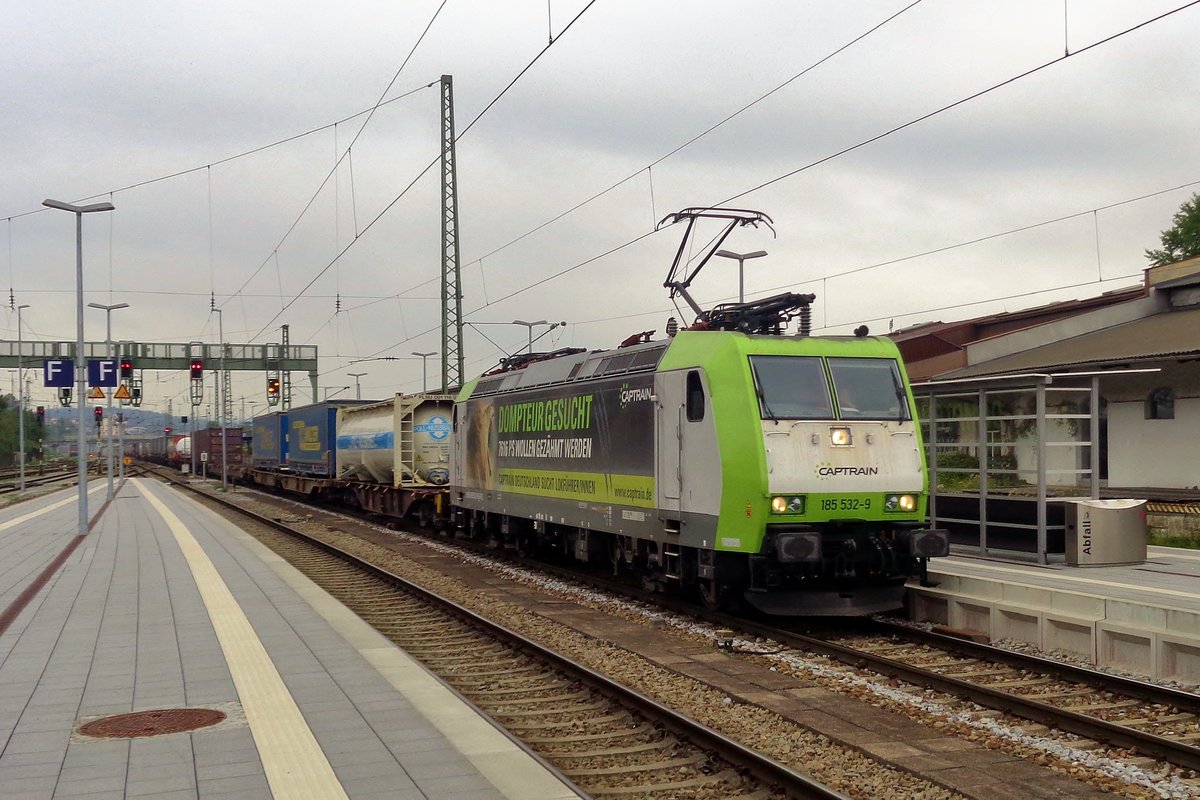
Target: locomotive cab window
695,397
791,387
868,388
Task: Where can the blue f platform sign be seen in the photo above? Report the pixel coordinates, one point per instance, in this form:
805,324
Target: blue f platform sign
102,372
58,373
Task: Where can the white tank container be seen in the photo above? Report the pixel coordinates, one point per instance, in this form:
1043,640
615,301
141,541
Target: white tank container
365,442
179,448
404,441
431,437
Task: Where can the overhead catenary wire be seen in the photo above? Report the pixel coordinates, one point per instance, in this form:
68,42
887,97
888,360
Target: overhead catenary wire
429,166
961,101
852,271
878,137
236,156
729,117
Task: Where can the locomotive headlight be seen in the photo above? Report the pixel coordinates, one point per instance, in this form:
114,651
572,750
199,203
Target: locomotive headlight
840,437
900,503
787,505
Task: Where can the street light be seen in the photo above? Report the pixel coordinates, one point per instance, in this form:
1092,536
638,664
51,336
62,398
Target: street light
108,354
356,376
424,356
740,257
221,399
20,399
532,325
80,365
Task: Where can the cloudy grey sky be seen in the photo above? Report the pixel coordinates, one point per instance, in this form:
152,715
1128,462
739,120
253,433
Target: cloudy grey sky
102,97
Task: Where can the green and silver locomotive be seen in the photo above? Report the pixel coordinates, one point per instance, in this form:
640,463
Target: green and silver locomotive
732,459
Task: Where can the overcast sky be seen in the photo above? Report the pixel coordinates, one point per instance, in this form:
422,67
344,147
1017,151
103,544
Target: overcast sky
99,97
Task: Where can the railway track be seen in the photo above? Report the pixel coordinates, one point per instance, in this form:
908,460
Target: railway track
606,738
8,483
1142,718
1143,721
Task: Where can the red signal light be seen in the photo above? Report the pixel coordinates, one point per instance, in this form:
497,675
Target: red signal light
197,369
126,368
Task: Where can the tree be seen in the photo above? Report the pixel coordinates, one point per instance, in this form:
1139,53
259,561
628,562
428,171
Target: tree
1182,239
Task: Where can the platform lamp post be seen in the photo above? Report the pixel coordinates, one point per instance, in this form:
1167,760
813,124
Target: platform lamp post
357,390
424,360
108,354
740,258
20,402
80,363
221,400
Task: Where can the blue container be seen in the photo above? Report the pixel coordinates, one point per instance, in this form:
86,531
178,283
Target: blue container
269,445
312,433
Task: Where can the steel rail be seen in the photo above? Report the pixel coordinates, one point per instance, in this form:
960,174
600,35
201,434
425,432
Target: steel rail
1078,723
761,766
1090,727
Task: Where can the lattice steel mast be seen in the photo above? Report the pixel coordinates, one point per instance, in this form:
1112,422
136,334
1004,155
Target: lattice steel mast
452,355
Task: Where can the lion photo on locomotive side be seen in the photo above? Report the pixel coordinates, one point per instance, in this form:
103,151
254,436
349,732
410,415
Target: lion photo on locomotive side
480,425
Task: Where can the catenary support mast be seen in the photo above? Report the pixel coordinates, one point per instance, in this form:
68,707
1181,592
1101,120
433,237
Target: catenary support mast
452,355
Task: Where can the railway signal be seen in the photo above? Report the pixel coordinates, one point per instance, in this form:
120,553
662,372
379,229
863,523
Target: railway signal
126,369
98,412
197,382
41,416
272,391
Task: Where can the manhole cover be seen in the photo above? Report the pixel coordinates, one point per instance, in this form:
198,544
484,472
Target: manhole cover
152,723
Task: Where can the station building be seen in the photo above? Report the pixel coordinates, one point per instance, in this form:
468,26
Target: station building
1144,344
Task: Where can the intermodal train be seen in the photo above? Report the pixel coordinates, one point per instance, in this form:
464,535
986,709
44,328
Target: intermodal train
732,459
170,449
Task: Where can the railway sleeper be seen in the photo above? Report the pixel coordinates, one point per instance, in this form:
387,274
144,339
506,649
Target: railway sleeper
608,719
656,766
643,729
644,747
557,712
509,675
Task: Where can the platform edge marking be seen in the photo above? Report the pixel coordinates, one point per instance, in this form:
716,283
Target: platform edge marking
294,763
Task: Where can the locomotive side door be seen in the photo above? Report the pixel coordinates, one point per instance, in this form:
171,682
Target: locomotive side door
668,440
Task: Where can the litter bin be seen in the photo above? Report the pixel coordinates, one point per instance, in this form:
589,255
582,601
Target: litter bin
1103,533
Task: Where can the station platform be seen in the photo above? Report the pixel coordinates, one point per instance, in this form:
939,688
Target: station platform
166,608
1140,618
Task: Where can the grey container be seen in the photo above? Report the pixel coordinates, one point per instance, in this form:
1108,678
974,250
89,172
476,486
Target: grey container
312,433
1103,533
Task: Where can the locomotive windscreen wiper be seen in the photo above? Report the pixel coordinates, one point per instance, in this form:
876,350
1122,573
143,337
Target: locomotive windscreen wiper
766,407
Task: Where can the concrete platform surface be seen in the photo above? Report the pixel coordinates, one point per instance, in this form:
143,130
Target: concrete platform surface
1142,618
165,605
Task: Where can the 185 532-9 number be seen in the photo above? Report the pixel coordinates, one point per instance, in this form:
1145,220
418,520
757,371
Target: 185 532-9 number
845,504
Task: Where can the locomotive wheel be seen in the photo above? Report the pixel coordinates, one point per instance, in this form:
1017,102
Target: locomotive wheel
526,545
717,596
615,555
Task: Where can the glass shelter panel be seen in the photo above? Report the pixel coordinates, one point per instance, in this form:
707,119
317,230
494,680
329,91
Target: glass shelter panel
1006,455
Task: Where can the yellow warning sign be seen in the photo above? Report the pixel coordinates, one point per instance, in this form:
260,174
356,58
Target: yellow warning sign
96,393
122,393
